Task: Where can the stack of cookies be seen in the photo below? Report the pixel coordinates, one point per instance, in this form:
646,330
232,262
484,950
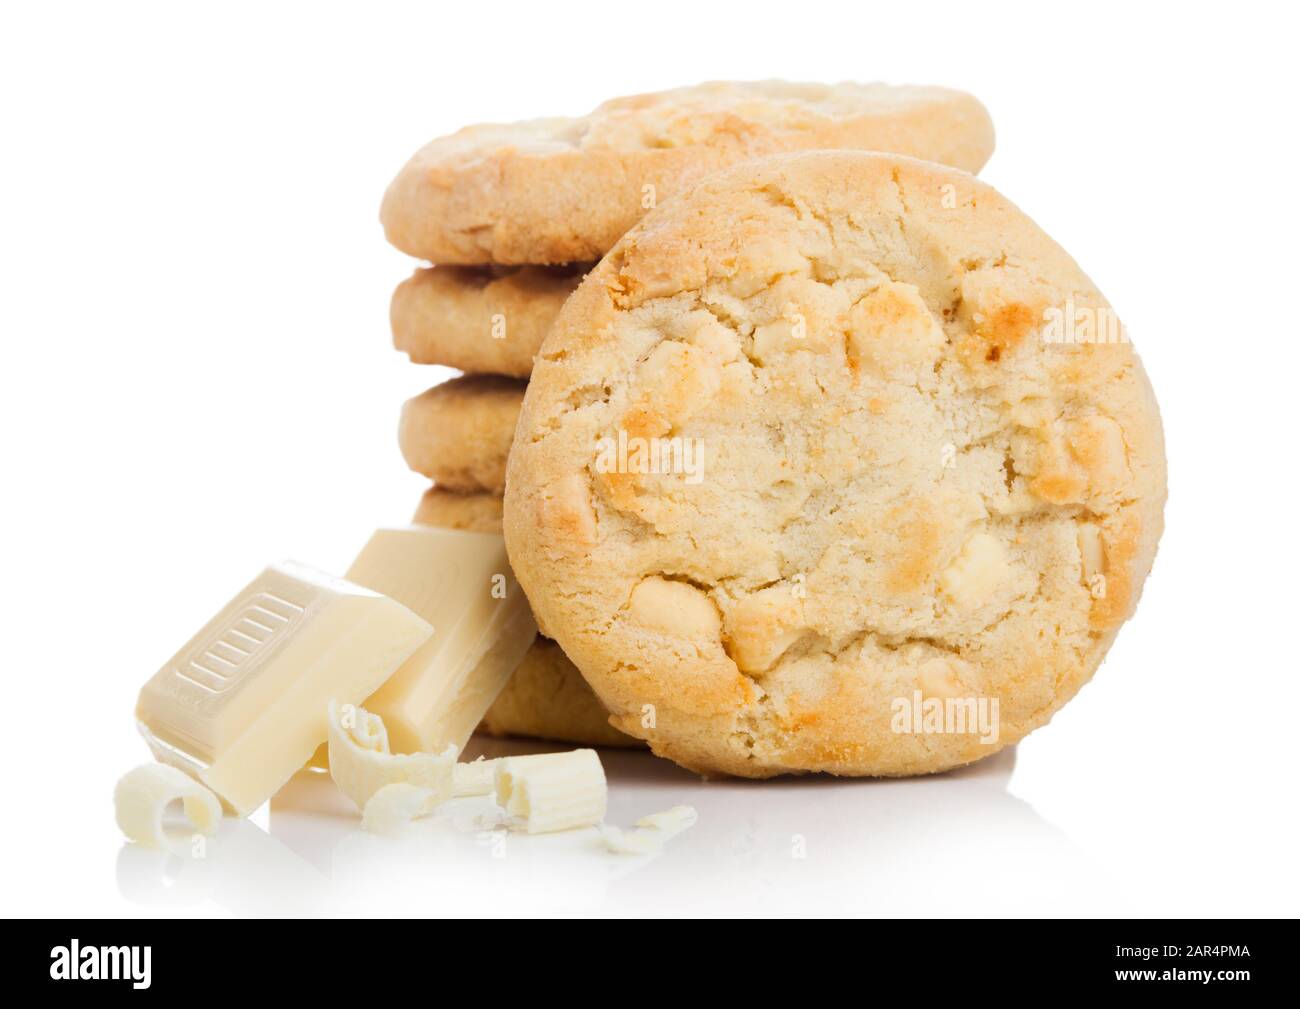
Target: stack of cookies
513,216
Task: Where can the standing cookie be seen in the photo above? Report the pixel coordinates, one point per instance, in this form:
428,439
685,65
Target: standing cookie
837,463
564,190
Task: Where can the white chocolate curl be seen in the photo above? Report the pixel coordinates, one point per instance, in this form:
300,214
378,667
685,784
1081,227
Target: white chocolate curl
552,791
361,764
143,795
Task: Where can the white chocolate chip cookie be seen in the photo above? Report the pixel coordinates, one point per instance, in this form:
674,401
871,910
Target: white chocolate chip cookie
564,190
475,511
489,319
809,444
458,433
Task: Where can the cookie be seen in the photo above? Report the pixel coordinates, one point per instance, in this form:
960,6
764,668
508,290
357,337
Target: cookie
546,697
489,320
564,190
475,512
458,433
833,443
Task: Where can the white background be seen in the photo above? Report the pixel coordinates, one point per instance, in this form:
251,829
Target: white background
197,380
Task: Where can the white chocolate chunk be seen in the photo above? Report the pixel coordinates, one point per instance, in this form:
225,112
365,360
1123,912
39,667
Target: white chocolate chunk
1092,553
702,330
758,260
552,791
1098,444
762,626
631,842
566,504
1017,502
143,795
394,806
461,583
652,833
676,608
938,677
242,706
981,566
671,822
676,380
477,777
772,340
361,764
891,330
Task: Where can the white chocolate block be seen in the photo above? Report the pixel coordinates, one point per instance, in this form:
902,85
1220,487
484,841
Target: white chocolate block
461,583
243,705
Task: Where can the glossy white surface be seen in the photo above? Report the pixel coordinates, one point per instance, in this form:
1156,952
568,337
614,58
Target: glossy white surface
962,843
197,381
